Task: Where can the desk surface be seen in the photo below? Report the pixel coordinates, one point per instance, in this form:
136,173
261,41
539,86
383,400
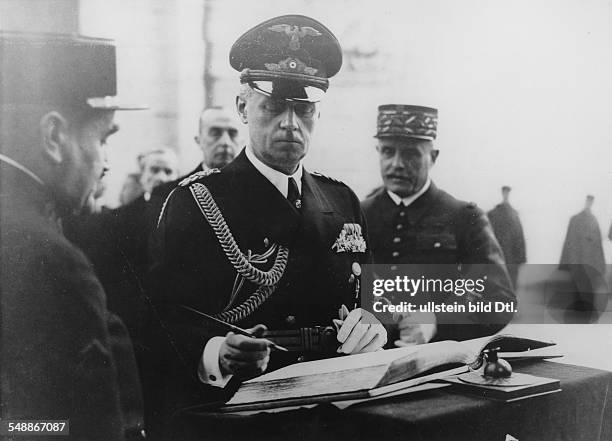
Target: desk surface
581,411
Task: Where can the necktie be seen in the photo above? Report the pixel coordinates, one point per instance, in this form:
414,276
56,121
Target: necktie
293,195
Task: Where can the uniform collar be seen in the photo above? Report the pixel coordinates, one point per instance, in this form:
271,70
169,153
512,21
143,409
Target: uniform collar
22,168
410,199
276,178
22,184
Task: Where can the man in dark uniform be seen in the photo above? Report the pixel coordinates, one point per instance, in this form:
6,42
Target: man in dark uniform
411,221
64,356
509,233
263,243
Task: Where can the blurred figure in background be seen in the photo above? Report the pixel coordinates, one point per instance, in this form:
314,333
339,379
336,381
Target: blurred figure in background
579,291
157,167
64,356
509,233
583,241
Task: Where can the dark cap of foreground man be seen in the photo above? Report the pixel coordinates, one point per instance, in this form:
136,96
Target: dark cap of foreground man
289,57
41,68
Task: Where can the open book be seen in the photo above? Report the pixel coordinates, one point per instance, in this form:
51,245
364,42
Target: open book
359,376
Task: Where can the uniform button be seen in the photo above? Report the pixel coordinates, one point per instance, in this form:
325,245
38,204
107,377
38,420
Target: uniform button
397,239
351,278
402,214
301,358
393,267
399,226
356,268
290,320
437,245
212,378
266,242
395,254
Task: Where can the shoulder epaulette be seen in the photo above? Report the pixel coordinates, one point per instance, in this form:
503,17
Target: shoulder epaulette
198,175
327,177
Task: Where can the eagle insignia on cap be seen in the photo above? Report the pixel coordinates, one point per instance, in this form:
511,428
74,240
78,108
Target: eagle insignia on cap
291,65
295,32
290,57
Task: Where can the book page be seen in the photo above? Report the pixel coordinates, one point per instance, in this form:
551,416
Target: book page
301,388
340,363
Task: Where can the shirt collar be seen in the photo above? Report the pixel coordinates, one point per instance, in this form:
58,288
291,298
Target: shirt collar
410,199
278,179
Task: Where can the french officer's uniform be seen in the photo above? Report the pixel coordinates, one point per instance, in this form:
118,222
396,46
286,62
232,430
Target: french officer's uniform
440,236
64,355
230,244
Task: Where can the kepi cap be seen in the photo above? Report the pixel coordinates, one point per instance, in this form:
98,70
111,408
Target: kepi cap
289,57
42,68
401,120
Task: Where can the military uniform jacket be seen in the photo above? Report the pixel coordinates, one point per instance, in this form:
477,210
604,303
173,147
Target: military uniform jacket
64,356
192,269
439,229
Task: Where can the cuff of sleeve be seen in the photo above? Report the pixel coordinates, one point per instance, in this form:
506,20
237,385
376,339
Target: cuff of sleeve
429,331
209,371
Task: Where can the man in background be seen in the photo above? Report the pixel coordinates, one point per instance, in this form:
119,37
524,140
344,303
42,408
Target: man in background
583,244
218,137
219,141
411,221
157,167
64,356
509,233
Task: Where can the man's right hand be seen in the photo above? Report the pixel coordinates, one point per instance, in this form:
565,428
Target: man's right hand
244,356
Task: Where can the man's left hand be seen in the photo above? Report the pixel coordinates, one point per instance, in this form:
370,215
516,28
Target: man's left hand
361,332
416,328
